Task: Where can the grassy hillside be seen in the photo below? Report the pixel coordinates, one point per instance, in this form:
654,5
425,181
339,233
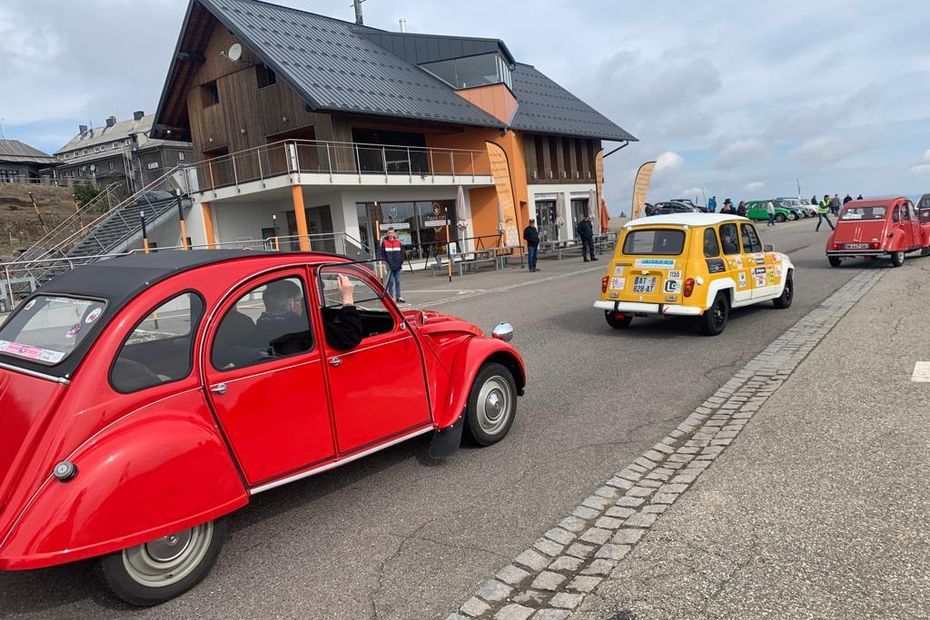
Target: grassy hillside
19,225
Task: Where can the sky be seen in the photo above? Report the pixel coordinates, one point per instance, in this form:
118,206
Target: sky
733,99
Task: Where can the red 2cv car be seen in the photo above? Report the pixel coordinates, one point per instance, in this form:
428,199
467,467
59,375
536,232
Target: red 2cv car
144,398
878,228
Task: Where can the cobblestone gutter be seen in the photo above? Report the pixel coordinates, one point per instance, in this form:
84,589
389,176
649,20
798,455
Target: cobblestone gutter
550,579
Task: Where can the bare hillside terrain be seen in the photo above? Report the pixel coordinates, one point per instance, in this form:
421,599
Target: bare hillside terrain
19,225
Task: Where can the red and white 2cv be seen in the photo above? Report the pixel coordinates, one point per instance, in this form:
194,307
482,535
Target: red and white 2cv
144,398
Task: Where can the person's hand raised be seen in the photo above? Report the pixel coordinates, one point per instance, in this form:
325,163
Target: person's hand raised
346,290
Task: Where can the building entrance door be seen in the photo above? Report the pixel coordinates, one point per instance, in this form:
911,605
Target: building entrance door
319,227
546,220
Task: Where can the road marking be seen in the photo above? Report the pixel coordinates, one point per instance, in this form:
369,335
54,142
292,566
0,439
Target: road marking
921,372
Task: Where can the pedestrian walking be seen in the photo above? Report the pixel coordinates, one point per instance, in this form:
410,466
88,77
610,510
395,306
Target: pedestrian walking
770,209
712,204
823,212
847,200
531,236
586,233
391,251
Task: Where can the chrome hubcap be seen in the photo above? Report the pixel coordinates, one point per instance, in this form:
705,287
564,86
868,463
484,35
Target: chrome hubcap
494,405
168,560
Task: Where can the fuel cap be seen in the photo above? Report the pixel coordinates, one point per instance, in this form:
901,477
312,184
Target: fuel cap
65,471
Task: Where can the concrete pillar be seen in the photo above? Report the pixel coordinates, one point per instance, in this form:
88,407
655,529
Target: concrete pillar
300,214
208,228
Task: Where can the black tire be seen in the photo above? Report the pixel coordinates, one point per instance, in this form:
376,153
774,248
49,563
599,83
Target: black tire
714,319
618,323
793,217
897,259
122,572
494,386
787,295
834,261
925,251
779,217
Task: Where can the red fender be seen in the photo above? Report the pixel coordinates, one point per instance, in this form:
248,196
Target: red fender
476,352
159,470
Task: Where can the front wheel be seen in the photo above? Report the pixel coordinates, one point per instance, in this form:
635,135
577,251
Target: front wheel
492,405
834,261
779,218
714,319
787,295
897,259
793,217
618,323
160,570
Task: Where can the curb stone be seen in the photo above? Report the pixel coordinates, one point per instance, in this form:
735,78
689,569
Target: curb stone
586,545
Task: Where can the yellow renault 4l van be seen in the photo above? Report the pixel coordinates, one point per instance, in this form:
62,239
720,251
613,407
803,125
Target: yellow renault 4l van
692,264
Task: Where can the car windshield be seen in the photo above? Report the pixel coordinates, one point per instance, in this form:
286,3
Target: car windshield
661,241
864,213
49,328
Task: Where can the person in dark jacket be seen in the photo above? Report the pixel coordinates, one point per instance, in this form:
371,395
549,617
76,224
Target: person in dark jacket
741,209
531,236
847,200
391,251
585,232
343,325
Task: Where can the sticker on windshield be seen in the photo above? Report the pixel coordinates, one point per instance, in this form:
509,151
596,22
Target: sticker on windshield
72,331
94,315
30,352
655,263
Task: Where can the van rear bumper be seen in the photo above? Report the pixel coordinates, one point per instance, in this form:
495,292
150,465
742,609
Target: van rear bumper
640,308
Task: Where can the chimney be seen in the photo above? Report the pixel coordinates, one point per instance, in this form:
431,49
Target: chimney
359,18
82,129
403,24
111,121
137,115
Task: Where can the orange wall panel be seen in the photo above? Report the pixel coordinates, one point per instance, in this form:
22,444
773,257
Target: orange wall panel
495,99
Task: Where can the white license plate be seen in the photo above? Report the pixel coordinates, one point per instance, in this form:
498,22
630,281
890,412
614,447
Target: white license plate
644,284
856,246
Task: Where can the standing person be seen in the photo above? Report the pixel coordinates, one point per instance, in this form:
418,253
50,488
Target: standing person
531,236
712,204
770,209
847,200
391,251
814,201
823,212
586,233
741,209
860,197
727,206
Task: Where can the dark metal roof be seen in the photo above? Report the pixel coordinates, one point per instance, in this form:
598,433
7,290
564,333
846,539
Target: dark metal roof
20,152
418,48
546,107
334,68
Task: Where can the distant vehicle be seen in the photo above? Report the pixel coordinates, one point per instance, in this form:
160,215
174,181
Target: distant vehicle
887,227
673,206
793,204
688,201
758,210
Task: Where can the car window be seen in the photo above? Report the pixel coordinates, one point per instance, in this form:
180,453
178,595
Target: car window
909,211
711,246
161,348
751,243
896,214
729,239
48,328
863,213
659,241
373,312
269,322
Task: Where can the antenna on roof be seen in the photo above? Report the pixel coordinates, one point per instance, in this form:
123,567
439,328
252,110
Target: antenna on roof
2,137
359,18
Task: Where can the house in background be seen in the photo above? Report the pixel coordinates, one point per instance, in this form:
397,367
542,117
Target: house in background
21,163
119,151
318,128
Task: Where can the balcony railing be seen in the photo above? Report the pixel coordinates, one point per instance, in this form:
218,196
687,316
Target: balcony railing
338,158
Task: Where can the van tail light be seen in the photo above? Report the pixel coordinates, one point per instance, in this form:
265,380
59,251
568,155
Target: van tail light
875,245
689,287
604,282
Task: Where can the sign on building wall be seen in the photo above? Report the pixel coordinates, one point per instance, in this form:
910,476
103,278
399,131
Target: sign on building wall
506,210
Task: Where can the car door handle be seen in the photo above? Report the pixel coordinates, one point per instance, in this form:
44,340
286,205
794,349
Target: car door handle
335,361
219,388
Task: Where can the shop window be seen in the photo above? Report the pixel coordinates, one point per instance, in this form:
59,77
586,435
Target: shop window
160,349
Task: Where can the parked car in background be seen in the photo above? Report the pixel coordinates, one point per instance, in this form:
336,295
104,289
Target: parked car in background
689,202
794,204
888,227
672,206
144,398
692,264
758,210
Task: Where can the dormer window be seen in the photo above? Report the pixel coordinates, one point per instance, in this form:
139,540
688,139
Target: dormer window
472,71
266,76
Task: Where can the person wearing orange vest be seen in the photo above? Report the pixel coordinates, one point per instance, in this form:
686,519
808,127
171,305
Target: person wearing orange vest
392,252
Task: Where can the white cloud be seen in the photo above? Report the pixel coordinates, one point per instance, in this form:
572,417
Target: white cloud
740,152
755,186
669,162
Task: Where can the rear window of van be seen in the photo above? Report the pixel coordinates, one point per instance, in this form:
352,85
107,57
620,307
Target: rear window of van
864,213
654,241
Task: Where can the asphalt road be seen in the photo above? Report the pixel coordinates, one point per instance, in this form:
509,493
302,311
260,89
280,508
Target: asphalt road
398,536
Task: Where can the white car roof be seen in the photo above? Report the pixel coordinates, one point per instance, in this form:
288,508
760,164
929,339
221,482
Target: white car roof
685,219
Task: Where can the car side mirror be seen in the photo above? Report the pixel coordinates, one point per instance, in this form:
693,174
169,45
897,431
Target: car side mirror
768,247
503,331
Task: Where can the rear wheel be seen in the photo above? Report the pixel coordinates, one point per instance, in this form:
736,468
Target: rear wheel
834,261
162,569
897,259
492,405
793,217
779,217
787,295
925,251
714,319
618,320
